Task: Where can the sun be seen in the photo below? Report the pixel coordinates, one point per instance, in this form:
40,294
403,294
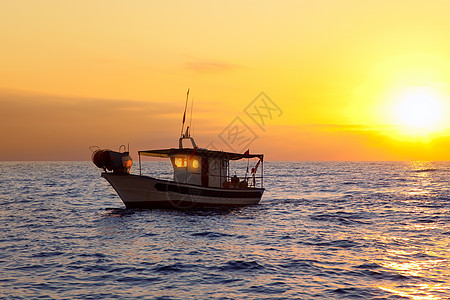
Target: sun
418,111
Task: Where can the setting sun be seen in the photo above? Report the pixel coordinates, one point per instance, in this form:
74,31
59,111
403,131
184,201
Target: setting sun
418,111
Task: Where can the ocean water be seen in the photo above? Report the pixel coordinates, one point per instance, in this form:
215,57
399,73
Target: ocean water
323,230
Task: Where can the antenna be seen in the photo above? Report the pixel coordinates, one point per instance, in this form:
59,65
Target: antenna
190,118
184,114
187,134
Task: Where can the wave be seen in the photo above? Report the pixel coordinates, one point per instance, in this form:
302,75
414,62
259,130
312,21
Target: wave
241,265
211,234
426,170
340,218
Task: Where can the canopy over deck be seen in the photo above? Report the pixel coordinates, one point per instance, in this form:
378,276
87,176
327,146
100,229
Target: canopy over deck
166,153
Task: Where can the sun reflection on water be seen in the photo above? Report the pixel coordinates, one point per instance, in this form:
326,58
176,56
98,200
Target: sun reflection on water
418,292
416,263
422,175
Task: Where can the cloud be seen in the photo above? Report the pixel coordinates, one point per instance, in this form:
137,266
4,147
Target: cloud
45,127
203,66
346,142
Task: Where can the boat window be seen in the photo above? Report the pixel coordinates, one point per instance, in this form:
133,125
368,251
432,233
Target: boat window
180,162
195,163
183,162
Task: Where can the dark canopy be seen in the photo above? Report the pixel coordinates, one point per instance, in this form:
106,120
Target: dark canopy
165,153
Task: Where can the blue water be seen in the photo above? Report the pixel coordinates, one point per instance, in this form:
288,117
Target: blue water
323,230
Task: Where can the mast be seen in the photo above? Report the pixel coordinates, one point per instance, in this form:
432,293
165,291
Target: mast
187,134
190,118
184,114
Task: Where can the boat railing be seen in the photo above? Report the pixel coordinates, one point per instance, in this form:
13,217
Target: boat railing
242,182
235,181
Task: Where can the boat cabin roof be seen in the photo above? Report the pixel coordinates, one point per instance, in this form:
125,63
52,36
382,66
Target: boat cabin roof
166,153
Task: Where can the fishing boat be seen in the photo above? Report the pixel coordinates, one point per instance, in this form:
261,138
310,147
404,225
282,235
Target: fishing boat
201,177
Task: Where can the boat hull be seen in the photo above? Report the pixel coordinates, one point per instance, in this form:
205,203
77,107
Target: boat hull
148,192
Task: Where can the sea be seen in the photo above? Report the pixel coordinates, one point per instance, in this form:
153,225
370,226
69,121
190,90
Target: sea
323,230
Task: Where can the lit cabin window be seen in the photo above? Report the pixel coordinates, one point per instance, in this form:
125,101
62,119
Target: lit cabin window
195,163
180,162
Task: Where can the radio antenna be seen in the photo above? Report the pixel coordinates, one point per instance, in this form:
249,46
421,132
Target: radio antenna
190,118
184,114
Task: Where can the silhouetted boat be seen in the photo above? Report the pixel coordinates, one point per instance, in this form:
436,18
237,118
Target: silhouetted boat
201,178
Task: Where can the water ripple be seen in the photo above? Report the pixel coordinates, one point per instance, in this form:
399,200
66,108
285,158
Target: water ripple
324,230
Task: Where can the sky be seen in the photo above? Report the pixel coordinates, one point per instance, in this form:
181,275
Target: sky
295,80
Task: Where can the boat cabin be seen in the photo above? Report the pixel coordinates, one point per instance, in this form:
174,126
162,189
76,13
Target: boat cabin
207,168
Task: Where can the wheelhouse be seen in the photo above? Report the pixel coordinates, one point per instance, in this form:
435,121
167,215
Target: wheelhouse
208,168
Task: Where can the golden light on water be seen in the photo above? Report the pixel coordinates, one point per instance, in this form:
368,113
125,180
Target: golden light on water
419,292
414,264
402,263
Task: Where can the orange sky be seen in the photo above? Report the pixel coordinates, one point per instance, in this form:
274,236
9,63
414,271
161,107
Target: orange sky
81,73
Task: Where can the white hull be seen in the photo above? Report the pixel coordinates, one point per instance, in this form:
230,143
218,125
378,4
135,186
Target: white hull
147,192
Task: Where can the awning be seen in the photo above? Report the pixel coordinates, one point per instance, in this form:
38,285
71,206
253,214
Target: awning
166,153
